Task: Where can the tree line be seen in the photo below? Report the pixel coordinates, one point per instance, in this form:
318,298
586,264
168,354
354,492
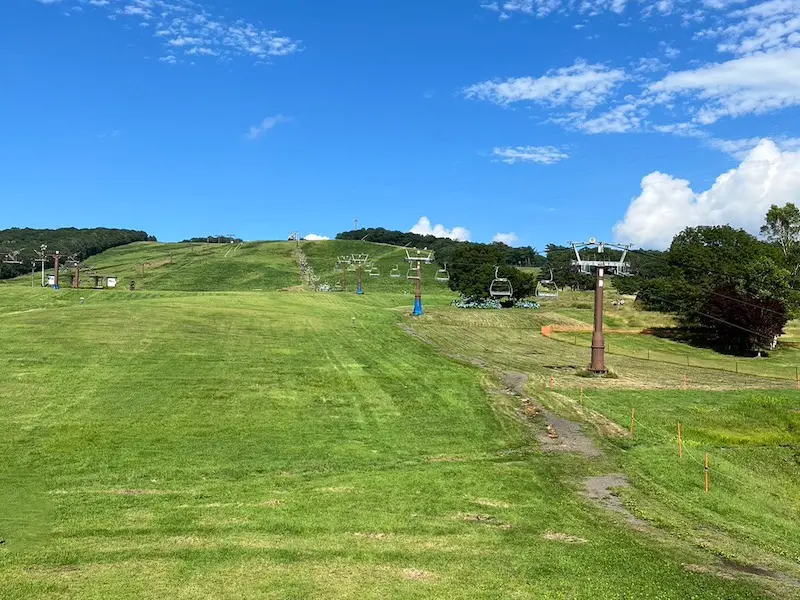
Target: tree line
727,288
68,241
445,248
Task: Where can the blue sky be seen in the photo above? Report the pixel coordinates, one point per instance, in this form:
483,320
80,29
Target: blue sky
550,120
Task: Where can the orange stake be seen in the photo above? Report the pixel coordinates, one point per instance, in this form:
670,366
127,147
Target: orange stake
706,469
581,394
680,442
552,382
633,419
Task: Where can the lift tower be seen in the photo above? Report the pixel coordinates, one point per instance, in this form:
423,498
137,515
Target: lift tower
601,266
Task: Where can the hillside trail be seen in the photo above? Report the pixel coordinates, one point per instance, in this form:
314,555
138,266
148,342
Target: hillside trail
558,434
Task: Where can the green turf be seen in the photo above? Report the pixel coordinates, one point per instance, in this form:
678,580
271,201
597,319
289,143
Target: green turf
154,266
210,436
753,439
286,445
323,256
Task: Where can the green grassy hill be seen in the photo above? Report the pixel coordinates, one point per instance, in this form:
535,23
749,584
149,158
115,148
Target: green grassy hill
322,257
291,445
198,267
252,266
198,438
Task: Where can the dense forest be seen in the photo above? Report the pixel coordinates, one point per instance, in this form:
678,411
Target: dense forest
445,248
213,239
18,247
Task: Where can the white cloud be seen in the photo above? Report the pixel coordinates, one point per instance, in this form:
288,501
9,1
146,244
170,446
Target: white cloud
765,26
543,8
620,119
742,147
187,26
649,65
669,51
509,239
313,237
545,155
423,227
750,85
256,131
740,197
582,85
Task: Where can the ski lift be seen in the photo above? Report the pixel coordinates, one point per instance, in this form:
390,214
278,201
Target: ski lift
547,288
500,286
442,274
374,272
412,273
395,272
417,255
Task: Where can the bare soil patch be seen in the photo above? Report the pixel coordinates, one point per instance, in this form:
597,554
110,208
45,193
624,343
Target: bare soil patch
563,537
491,503
484,520
418,575
601,488
515,382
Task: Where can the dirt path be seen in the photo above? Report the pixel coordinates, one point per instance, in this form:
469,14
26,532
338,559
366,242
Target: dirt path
601,488
560,434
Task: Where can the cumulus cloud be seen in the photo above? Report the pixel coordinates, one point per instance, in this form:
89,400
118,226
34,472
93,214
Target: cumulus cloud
256,131
509,239
424,227
581,85
545,155
313,237
740,197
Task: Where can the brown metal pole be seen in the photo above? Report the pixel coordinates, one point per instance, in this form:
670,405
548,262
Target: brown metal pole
598,340
344,276
418,285
76,280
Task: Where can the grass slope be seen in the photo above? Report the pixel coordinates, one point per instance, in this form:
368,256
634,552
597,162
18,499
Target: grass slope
749,425
265,445
322,257
251,266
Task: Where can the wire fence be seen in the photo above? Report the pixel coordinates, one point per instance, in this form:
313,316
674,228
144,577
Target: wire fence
752,367
682,447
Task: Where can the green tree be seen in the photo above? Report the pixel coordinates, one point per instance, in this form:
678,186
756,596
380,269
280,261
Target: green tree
727,288
782,227
472,269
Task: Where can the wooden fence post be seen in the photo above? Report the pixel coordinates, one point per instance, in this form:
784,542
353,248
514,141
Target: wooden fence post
633,420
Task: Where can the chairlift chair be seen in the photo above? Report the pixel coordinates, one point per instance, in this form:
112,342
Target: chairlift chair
395,272
500,287
412,273
374,272
547,288
442,274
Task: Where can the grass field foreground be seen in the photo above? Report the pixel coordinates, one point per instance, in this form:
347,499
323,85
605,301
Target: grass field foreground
287,445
